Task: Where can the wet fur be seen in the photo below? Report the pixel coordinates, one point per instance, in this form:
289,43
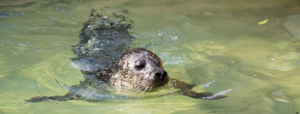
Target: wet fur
127,76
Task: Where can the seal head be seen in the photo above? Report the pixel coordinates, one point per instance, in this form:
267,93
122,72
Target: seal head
140,69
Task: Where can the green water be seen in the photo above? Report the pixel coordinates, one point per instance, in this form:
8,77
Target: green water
220,42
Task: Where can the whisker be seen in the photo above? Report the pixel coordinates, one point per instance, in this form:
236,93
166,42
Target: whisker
131,90
139,90
144,90
169,86
135,90
153,52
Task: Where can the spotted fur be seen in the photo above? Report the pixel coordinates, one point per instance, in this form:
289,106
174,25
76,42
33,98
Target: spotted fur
149,77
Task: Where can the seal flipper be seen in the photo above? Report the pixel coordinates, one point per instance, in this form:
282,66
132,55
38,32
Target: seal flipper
185,89
204,95
66,97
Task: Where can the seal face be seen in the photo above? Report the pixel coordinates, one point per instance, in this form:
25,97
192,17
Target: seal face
140,69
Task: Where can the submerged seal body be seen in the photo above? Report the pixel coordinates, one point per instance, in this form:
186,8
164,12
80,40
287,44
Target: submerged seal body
108,52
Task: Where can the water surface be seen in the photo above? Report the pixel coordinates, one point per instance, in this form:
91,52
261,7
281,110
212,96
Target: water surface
221,47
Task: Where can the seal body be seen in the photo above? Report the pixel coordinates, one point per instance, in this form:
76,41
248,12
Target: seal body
107,53
103,40
104,51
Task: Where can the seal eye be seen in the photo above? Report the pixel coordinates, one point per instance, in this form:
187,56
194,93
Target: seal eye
141,65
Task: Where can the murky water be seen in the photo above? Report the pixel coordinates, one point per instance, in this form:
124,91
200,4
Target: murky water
250,47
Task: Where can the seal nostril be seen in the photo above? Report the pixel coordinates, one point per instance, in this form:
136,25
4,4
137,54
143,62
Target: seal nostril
158,75
164,74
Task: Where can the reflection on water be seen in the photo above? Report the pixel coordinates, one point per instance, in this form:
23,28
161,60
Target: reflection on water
220,44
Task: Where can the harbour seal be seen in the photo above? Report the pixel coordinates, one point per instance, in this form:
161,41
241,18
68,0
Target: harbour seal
109,59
